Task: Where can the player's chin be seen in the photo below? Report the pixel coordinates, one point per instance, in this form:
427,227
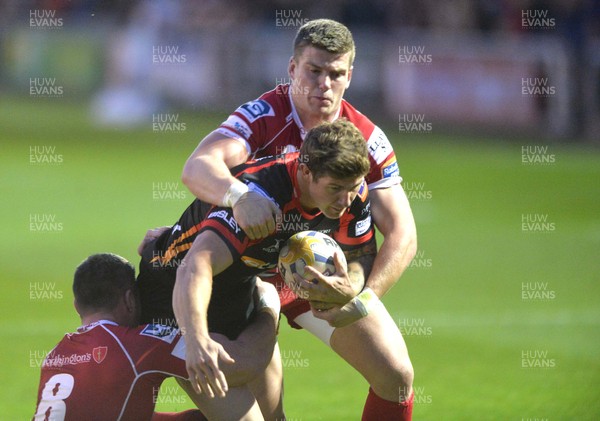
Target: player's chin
334,213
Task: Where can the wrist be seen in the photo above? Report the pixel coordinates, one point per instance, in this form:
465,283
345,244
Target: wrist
233,193
366,301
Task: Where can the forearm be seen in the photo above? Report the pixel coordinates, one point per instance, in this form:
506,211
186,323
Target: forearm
361,266
206,172
394,219
208,179
394,256
191,296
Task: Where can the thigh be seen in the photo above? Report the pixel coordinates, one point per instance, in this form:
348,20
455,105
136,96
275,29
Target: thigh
238,404
268,389
374,346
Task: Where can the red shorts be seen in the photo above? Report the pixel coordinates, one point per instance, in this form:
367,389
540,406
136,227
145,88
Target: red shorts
291,305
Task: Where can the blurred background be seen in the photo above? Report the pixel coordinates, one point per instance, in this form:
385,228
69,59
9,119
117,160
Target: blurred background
493,109
507,66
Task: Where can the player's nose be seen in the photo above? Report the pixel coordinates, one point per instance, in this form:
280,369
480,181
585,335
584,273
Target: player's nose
324,82
345,199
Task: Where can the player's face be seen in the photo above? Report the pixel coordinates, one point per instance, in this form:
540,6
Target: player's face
319,80
333,196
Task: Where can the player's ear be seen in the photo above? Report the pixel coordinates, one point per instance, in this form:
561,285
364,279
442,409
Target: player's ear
305,172
349,76
132,307
292,67
76,305
130,301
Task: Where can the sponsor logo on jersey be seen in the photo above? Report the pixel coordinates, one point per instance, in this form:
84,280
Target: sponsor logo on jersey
379,146
390,169
179,349
61,360
253,110
239,126
363,226
256,263
225,216
162,332
99,353
275,247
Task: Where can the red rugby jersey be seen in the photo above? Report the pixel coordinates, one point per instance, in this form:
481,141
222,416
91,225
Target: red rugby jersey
109,372
270,125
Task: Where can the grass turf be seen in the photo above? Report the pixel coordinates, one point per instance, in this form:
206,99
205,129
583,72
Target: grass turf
470,331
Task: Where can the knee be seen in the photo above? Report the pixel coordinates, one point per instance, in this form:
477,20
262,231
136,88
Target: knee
395,384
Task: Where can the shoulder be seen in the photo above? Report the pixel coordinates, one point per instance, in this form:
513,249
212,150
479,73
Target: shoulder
270,104
260,117
361,121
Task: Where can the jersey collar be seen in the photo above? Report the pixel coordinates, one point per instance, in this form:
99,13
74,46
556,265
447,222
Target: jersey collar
85,328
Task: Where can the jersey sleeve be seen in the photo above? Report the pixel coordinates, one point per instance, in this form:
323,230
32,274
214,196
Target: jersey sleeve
356,228
247,124
221,221
384,167
162,349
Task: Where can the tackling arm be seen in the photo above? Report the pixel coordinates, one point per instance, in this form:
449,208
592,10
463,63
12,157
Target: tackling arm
206,174
394,219
206,171
208,256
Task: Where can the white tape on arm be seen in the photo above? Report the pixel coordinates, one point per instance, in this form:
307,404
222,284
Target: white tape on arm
366,301
233,194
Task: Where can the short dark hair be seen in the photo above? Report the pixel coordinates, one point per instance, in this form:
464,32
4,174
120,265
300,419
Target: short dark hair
336,149
101,280
327,35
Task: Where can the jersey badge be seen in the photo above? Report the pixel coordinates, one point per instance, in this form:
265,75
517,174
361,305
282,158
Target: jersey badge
99,353
162,332
253,110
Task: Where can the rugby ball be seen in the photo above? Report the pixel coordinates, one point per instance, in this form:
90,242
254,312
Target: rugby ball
307,248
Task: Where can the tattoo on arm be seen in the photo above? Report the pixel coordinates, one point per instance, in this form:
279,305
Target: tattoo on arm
360,262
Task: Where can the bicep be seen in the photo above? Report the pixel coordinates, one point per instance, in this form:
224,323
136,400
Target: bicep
209,252
391,210
217,146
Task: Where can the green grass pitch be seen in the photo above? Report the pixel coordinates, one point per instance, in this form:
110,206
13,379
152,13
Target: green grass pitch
501,308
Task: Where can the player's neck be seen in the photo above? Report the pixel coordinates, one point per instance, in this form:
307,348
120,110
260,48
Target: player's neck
309,120
96,317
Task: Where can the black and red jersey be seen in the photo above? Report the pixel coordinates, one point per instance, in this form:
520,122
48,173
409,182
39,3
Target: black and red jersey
274,178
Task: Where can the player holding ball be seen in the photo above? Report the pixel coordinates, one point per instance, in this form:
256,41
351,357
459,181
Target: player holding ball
321,70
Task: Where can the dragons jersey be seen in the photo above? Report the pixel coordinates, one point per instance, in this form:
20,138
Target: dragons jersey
270,126
231,301
109,372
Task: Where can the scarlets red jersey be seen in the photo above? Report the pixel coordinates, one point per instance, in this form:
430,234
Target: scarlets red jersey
109,372
270,125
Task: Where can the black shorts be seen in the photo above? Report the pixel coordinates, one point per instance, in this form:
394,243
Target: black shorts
231,307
